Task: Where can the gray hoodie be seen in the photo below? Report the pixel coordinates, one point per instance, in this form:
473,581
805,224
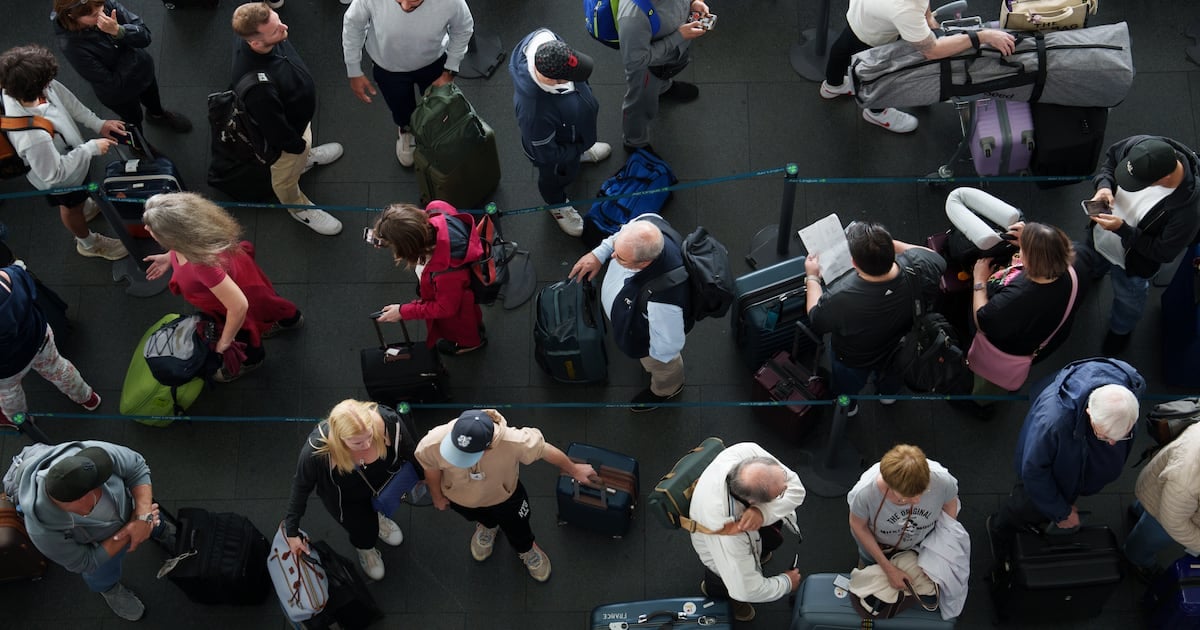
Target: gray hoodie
71,540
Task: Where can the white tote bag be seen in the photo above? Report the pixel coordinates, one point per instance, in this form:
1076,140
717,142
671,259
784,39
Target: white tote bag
302,587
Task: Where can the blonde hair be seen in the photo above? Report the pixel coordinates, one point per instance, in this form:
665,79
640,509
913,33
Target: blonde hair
193,226
249,17
905,470
348,419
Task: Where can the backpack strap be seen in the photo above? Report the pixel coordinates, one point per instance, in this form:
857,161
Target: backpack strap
248,81
25,123
651,13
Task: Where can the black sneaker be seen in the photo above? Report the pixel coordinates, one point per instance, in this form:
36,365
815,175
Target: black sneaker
647,400
1115,343
681,92
171,120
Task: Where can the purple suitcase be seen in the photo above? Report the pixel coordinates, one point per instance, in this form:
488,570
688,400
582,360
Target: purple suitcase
1001,137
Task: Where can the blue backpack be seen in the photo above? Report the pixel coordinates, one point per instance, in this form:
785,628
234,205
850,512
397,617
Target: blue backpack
643,171
600,17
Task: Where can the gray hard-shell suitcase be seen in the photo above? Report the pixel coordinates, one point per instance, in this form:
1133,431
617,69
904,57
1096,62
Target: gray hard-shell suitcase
768,302
822,606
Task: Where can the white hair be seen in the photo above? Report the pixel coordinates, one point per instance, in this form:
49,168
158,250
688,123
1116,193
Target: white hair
1114,410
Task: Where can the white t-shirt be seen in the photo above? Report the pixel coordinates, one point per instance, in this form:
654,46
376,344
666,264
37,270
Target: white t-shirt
878,22
1131,207
865,499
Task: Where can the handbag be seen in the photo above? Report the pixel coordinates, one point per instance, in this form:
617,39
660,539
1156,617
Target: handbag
1045,15
385,500
303,589
1010,370
874,598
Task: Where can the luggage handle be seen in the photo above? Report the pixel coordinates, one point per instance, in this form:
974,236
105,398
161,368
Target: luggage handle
383,343
139,143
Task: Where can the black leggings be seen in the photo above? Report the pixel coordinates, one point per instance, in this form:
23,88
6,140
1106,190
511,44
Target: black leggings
131,111
838,66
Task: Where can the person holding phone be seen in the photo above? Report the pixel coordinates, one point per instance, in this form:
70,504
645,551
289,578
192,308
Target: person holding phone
1148,185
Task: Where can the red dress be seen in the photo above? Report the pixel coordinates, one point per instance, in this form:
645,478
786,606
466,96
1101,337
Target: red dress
194,282
447,304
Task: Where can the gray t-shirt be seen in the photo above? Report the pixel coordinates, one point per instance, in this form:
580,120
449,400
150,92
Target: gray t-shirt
865,498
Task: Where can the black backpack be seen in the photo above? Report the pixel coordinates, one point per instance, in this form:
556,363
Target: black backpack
1167,421
929,357
705,269
234,128
180,351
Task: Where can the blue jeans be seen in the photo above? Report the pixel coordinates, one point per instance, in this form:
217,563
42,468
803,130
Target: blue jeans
1129,292
851,380
108,574
1146,539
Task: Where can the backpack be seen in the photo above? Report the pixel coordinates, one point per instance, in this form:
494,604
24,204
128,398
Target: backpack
179,350
671,499
705,269
1167,421
11,164
928,356
600,18
643,176
234,128
142,394
489,272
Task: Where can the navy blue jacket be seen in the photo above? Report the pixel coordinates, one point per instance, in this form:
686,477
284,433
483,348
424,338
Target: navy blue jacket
22,324
631,330
119,68
1052,447
555,128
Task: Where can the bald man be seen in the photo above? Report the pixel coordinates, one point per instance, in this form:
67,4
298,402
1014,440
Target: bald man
649,327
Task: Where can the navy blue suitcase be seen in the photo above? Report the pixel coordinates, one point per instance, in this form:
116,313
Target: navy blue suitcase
138,179
768,302
606,507
1173,601
1181,323
675,612
568,336
821,605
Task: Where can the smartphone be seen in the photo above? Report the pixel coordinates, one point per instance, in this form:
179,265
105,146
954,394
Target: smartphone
370,238
1093,208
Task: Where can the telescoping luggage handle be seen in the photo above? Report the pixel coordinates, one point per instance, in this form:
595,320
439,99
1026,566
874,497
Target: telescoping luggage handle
596,484
394,353
134,142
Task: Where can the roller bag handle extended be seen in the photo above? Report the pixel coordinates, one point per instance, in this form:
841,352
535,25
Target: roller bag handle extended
400,355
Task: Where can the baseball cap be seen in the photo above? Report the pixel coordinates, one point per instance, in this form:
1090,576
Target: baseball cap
470,437
556,60
74,476
1147,162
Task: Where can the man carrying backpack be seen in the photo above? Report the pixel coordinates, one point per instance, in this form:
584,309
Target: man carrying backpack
650,328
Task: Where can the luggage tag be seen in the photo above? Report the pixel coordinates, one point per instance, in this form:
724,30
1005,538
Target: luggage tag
171,563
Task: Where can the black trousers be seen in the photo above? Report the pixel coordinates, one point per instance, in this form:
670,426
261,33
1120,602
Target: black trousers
772,539
838,65
511,515
361,523
553,180
131,111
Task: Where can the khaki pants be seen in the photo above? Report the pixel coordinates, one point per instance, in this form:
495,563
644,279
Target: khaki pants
286,172
665,378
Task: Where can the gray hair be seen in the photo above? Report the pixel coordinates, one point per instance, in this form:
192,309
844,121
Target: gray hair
747,479
644,238
1114,410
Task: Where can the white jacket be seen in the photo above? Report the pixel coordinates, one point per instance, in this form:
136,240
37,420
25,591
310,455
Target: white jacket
945,556
736,557
1169,488
62,160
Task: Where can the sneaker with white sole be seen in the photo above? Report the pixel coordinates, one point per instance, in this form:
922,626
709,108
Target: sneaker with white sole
90,210
834,91
892,119
596,152
124,602
371,562
92,403
104,247
483,542
323,154
537,562
318,221
389,531
568,220
405,145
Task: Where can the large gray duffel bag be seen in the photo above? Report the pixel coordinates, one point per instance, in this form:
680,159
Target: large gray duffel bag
1087,67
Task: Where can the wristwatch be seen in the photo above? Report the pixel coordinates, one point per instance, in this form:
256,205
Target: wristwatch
978,286
148,517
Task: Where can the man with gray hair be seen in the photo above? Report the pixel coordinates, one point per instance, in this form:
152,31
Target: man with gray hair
745,496
1075,441
651,327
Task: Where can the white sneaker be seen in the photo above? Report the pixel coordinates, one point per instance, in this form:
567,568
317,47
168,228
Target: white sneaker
274,4
404,148
568,220
596,152
892,119
389,531
105,247
371,562
90,210
834,91
323,154
318,221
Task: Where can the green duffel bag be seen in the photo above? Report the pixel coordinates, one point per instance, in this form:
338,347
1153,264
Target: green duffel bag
143,395
446,128
467,183
671,499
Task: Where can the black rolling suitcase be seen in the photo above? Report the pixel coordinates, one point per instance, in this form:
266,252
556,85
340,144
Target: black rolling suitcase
1062,577
136,180
768,303
219,558
402,372
568,336
351,606
1181,323
607,506
674,612
1067,140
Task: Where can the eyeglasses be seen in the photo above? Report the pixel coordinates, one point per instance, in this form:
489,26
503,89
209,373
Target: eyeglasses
1102,438
371,239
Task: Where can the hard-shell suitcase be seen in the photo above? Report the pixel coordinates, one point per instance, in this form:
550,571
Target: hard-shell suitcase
19,559
1057,577
138,179
1181,323
351,606
568,336
671,498
402,372
1067,140
222,558
1173,601
769,301
675,612
822,605
607,506
1002,139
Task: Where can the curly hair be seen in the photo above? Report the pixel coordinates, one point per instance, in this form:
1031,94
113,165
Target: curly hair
26,71
193,226
406,229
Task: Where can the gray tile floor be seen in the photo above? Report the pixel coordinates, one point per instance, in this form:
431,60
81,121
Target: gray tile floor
754,113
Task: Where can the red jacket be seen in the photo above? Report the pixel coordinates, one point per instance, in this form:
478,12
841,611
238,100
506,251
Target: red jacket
447,304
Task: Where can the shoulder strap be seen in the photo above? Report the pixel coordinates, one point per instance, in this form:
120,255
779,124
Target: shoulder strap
1066,314
249,80
651,14
25,123
668,280
910,279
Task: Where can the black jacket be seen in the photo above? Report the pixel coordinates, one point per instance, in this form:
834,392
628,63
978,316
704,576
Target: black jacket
1170,226
285,107
334,488
119,68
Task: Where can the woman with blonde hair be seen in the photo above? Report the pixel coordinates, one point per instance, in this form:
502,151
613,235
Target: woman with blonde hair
360,461
215,272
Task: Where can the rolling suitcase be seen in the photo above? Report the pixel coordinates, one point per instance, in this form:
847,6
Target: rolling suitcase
1001,137
605,507
675,612
1181,323
138,179
455,155
1057,577
1067,140
19,559
785,377
351,606
1173,601
220,558
823,605
568,336
402,372
767,304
